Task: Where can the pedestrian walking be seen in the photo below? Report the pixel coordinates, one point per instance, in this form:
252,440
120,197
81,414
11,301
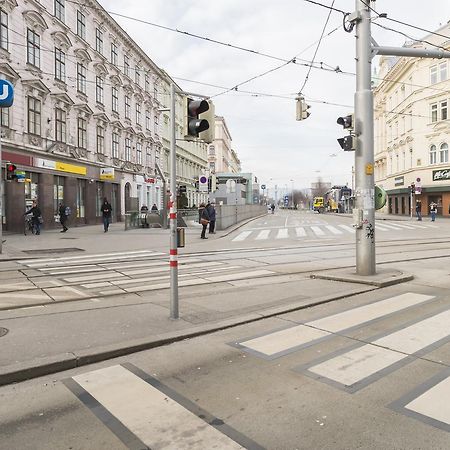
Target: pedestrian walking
433,211
36,217
272,207
212,217
203,219
106,210
63,216
419,210
154,208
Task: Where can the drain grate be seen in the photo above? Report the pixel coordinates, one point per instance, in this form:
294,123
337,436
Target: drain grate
3,331
53,250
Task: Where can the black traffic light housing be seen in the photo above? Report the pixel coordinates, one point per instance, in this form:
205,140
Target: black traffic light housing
347,143
193,123
10,171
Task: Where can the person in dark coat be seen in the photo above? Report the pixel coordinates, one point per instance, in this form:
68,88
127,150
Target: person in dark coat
419,210
154,208
203,219
36,213
212,217
62,217
106,210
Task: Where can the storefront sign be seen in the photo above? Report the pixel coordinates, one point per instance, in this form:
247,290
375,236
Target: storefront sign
441,175
62,167
149,180
399,181
107,173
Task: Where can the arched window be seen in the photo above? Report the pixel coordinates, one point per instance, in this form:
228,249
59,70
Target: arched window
433,155
443,153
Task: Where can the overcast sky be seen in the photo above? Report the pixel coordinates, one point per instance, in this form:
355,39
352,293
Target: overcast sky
269,141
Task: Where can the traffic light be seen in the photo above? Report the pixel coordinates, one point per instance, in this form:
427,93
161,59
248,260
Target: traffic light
212,183
199,119
347,143
302,109
10,172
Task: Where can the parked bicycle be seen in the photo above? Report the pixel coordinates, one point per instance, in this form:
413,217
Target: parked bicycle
29,227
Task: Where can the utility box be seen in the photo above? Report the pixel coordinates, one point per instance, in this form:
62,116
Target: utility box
181,237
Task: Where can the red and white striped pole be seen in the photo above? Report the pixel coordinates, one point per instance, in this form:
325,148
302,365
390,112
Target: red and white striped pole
173,254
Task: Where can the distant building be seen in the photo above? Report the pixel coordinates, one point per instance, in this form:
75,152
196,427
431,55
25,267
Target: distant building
236,188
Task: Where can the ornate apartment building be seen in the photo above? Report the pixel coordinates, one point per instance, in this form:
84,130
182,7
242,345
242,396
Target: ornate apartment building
86,120
412,129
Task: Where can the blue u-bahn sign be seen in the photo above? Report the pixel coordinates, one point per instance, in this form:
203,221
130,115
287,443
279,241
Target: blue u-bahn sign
6,94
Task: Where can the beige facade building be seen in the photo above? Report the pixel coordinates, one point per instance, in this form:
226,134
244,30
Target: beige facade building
412,130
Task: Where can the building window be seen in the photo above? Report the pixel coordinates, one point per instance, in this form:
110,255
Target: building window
81,78
139,153
433,74
60,65
82,133
147,83
138,113
60,9
81,195
148,120
444,110
149,156
98,40
99,90
434,112
100,196
212,166
433,155
443,71
127,149
81,25
137,75
126,65
33,48
3,30
212,150
34,116
4,117
100,140
443,153
114,54
115,145
58,191
115,99
60,125
127,106
156,124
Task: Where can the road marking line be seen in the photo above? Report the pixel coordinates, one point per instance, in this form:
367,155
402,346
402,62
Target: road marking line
317,231
290,338
263,234
434,402
391,227
242,236
282,234
239,276
402,225
334,230
101,276
380,228
347,228
149,413
301,232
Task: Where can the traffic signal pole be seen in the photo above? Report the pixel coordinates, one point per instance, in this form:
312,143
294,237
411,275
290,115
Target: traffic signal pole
364,212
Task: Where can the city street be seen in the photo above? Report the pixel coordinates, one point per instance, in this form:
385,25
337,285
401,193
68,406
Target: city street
263,355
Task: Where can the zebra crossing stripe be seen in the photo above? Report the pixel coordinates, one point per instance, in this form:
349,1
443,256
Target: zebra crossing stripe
380,228
333,229
391,227
282,233
300,231
242,236
402,225
263,234
285,341
361,363
347,228
153,413
317,231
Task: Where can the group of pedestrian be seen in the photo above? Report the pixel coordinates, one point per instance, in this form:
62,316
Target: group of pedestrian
433,210
207,216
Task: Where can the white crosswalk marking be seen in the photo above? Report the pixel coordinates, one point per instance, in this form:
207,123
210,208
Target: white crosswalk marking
402,225
150,414
242,236
282,234
380,228
358,364
347,228
391,227
300,231
333,229
263,234
317,231
285,340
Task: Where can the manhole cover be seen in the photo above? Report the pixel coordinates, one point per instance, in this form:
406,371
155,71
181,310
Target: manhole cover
3,331
52,250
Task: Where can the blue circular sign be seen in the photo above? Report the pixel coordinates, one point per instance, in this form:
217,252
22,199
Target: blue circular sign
203,179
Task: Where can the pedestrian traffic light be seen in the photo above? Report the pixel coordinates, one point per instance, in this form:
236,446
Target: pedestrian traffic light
199,119
10,172
302,109
347,143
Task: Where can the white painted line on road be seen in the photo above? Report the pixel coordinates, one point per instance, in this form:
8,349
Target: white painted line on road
282,234
434,403
402,225
242,236
347,228
263,234
317,231
334,230
380,228
101,276
239,276
96,285
149,413
285,340
301,232
391,227
356,365
85,266
68,272
416,225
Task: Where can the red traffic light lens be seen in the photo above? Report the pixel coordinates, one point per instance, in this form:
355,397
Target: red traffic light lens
11,168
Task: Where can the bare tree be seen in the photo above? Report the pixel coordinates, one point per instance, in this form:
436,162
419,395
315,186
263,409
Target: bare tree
319,188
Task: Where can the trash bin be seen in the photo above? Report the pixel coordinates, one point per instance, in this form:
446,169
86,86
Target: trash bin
180,237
